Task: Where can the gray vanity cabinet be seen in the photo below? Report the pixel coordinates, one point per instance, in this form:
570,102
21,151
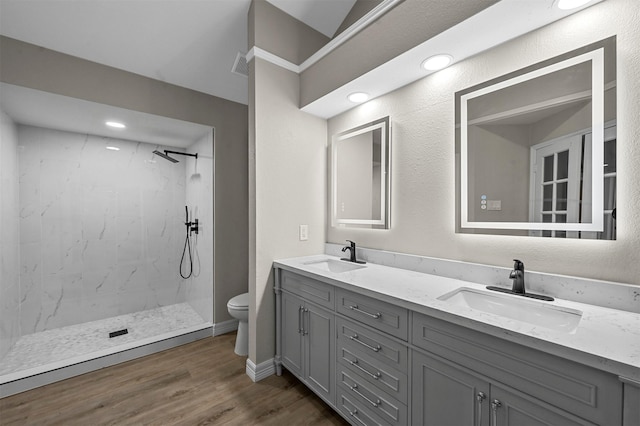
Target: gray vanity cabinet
448,395
308,339
379,363
520,385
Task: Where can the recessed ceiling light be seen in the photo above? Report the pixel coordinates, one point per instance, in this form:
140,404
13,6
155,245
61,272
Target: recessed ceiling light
113,148
571,4
115,124
358,97
437,62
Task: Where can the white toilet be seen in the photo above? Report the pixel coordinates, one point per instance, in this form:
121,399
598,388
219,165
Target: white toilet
239,309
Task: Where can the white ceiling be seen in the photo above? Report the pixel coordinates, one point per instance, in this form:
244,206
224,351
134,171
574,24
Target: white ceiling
51,111
194,43
190,43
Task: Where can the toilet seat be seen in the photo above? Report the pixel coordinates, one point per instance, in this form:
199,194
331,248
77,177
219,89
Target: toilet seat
239,302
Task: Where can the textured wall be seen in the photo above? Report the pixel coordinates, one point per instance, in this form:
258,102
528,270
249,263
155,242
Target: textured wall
100,230
289,154
423,155
9,235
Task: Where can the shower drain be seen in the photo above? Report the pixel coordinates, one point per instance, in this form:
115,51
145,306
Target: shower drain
118,332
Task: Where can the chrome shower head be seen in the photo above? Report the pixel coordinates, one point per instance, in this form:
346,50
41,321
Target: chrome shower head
165,156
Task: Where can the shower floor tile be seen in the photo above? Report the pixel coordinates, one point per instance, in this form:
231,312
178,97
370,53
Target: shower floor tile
51,346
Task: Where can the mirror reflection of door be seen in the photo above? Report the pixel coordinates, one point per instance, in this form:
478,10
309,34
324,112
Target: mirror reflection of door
524,144
555,183
561,184
610,177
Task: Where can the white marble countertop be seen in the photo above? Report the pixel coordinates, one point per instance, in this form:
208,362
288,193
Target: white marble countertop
606,339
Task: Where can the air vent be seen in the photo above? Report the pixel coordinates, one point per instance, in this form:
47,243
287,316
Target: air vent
240,65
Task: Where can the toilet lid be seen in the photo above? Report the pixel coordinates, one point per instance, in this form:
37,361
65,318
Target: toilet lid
239,301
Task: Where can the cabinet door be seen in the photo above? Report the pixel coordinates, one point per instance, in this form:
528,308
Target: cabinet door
320,340
512,408
292,339
446,395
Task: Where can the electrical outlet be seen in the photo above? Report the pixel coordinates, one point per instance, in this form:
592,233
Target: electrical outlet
304,232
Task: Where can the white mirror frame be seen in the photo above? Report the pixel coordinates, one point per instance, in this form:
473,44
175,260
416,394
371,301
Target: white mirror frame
384,125
597,176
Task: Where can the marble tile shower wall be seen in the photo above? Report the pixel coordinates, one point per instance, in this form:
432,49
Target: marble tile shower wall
101,231
199,192
9,238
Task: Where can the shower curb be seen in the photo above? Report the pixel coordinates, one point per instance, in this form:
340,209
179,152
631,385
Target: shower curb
40,379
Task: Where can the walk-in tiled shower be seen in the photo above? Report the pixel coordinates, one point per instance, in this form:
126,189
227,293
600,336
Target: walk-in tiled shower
92,232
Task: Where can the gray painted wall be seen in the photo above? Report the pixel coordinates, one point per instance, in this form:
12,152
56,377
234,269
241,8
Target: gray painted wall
276,32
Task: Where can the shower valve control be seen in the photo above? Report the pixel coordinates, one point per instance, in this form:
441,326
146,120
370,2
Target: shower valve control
193,226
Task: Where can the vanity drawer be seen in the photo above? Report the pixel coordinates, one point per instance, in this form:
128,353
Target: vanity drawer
366,342
587,392
375,372
355,412
314,291
370,399
375,313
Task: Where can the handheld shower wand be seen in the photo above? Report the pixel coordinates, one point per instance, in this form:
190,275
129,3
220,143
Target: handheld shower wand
191,227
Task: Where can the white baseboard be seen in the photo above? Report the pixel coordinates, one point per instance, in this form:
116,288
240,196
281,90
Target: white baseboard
262,370
225,327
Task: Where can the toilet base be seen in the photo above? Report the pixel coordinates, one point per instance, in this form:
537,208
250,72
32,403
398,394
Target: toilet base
242,339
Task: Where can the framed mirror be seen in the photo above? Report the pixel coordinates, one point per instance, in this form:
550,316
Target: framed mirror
536,149
360,176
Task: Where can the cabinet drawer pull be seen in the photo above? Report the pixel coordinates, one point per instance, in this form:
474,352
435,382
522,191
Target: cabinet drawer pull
354,388
305,331
300,326
375,375
375,348
354,415
480,397
495,404
374,316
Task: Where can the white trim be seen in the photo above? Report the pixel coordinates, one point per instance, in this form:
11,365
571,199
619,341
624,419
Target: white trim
354,29
260,371
359,25
225,327
257,52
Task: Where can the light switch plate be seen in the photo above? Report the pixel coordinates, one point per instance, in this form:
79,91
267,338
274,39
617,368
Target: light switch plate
304,232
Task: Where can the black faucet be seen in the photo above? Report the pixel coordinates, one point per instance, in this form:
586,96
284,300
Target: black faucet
352,253
517,275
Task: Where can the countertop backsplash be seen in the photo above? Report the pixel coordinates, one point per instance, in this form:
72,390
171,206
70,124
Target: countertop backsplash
594,292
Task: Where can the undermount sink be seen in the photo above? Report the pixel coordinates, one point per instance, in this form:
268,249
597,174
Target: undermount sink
515,307
335,266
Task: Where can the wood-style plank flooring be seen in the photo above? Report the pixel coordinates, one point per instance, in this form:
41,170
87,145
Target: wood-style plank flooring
201,383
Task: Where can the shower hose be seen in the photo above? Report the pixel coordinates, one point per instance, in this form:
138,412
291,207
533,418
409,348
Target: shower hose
187,246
